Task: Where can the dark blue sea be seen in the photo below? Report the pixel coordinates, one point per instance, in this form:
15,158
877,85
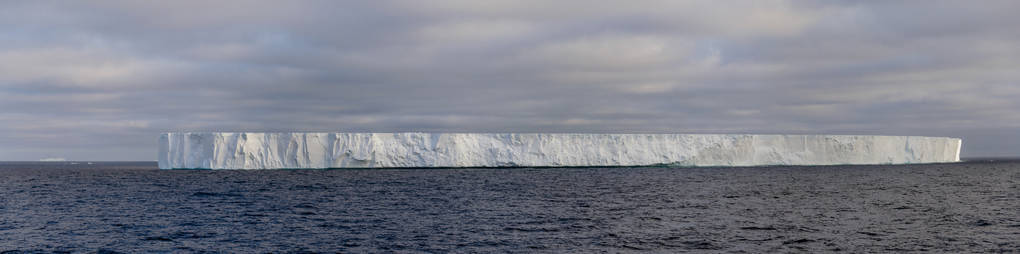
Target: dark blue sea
131,207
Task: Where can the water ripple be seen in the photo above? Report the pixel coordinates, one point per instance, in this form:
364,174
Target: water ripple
132,207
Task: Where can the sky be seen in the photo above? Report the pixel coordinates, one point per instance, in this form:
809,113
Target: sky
100,80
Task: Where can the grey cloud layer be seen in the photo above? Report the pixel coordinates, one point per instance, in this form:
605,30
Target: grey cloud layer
98,80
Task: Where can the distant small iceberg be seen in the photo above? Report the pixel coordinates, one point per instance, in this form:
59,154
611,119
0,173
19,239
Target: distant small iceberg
53,159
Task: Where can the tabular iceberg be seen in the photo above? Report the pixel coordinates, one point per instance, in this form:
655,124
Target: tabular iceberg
248,150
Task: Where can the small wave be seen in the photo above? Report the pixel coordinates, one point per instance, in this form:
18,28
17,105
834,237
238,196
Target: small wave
214,194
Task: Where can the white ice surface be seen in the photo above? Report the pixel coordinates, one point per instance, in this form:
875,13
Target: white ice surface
247,150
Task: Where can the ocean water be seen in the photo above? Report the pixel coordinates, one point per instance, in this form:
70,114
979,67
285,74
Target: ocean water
134,207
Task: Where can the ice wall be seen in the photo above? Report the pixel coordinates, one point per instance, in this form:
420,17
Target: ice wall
248,150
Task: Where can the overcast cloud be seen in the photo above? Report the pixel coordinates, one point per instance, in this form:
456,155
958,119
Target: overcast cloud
99,80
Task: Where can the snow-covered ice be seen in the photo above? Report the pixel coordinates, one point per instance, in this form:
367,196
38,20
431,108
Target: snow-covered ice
249,150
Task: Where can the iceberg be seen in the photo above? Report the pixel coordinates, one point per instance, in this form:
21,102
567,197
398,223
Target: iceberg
256,150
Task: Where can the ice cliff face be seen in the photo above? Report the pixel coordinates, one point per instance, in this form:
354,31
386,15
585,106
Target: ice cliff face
246,150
